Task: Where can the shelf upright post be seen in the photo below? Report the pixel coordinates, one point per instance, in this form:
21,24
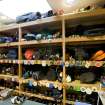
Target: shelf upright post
64,51
20,58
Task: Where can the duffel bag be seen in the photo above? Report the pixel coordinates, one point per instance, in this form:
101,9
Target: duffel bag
12,54
29,37
31,16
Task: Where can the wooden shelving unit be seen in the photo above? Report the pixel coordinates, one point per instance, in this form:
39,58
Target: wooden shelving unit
90,17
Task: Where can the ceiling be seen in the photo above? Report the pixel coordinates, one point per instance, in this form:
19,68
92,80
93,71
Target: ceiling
5,19
74,4
14,8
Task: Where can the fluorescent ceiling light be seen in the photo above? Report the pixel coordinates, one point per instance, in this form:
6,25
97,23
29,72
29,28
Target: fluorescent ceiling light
13,8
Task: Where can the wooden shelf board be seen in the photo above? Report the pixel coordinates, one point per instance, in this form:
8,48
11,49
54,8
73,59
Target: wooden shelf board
78,83
59,40
42,82
8,76
95,12
5,77
2,88
9,61
85,17
9,44
42,21
32,95
84,63
9,27
70,40
83,40
47,62
103,89
51,62
36,95
31,62
95,15
70,102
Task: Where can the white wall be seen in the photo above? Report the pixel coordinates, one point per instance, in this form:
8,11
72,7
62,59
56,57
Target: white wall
13,8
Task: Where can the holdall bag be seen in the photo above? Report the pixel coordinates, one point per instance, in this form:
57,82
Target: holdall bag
52,75
2,40
98,53
29,54
31,16
36,75
98,56
39,37
87,77
48,14
36,55
101,57
8,39
29,37
12,54
95,31
78,30
26,75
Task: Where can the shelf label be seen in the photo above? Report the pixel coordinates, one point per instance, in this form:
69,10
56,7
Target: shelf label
88,91
25,62
66,64
94,89
35,83
32,62
14,61
43,63
59,87
6,61
13,79
83,63
51,62
28,62
55,85
98,64
9,61
83,89
1,61
88,64
35,61
38,62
